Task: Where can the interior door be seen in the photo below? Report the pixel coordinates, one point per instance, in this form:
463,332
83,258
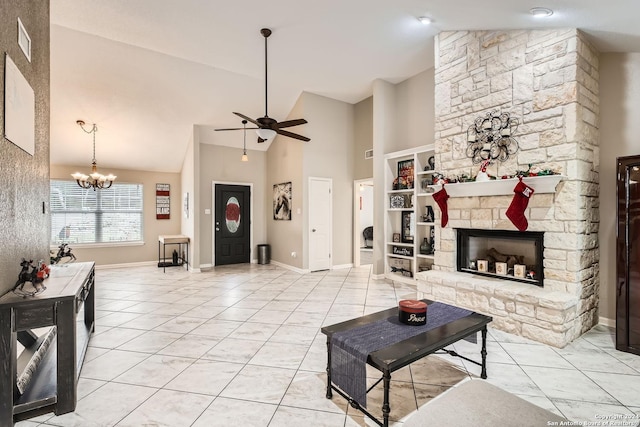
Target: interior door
628,256
320,224
232,225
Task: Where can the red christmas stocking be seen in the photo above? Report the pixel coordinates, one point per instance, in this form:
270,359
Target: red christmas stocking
519,203
441,199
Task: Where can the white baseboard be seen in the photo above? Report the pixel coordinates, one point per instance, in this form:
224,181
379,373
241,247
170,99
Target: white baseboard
289,267
378,276
341,266
129,264
611,323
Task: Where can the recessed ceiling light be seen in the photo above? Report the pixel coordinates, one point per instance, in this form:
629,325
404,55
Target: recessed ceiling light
425,20
541,12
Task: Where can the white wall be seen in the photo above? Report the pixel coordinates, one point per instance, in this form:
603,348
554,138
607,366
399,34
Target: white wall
619,130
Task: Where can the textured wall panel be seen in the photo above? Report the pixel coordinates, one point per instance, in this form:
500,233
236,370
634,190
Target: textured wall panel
24,179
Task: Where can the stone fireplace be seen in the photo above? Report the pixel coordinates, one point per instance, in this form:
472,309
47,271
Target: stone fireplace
548,79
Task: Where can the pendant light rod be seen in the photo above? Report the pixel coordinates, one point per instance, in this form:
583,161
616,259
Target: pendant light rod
266,33
244,157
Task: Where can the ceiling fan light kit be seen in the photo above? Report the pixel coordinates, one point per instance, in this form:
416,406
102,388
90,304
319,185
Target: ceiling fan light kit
541,12
268,128
266,134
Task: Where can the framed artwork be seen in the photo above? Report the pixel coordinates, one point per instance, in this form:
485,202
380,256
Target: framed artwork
396,237
282,201
408,227
163,204
185,205
20,108
405,174
396,201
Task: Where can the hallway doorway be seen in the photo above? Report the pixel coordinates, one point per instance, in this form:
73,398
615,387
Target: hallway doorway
363,222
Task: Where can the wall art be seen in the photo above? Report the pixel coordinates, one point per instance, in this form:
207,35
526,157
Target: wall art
282,201
163,202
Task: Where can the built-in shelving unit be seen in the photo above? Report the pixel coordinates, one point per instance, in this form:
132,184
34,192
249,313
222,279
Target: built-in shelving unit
409,212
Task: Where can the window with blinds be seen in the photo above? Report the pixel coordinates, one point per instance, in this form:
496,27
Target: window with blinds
88,216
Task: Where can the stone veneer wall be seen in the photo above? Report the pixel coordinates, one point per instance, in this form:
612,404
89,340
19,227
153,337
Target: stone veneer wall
548,80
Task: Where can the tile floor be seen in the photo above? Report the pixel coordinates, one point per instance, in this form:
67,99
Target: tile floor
241,345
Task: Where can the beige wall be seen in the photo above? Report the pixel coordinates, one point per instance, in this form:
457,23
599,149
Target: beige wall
188,174
118,254
415,111
284,164
223,165
24,179
330,155
363,138
620,127
384,140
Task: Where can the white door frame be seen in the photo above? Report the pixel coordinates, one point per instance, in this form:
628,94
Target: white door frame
330,231
213,217
357,229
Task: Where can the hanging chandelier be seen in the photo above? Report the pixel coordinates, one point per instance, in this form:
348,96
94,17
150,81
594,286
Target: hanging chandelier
94,179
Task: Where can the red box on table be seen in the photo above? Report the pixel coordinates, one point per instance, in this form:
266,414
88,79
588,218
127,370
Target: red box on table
412,312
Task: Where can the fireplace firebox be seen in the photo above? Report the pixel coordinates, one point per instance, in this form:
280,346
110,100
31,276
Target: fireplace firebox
503,254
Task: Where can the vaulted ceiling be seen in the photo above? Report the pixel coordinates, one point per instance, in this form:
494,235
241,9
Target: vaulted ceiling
147,71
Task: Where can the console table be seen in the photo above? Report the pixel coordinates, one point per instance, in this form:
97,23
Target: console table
69,294
177,239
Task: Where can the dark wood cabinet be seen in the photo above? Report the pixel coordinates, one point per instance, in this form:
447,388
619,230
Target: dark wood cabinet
628,256
68,304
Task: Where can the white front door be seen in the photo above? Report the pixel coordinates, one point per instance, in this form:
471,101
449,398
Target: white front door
320,226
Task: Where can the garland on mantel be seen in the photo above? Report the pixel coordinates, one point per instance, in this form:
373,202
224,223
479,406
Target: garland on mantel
439,178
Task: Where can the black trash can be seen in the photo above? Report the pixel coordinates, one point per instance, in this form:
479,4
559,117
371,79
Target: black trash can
264,254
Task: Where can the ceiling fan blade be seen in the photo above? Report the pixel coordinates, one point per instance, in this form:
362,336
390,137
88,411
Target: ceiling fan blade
249,119
236,128
291,135
289,123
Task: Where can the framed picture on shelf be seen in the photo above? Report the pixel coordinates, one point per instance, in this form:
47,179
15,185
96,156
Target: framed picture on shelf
396,201
408,227
396,237
405,174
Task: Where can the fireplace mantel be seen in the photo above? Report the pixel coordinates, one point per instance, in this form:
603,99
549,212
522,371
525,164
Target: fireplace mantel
499,187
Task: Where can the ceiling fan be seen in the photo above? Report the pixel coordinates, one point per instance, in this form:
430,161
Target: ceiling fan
268,127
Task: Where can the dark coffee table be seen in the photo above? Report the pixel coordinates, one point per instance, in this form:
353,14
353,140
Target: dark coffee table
400,354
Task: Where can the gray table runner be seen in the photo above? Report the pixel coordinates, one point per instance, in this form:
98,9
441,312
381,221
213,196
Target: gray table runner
350,349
